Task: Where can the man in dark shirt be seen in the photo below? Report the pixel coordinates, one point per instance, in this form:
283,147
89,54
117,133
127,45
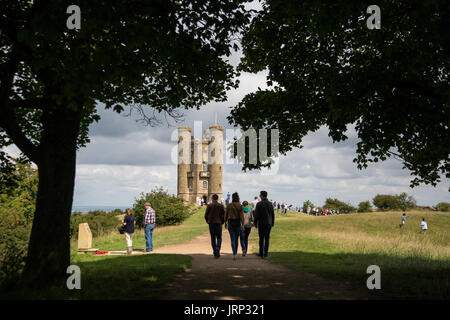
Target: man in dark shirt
214,216
264,220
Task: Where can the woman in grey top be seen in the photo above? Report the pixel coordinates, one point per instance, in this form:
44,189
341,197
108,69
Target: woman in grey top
248,223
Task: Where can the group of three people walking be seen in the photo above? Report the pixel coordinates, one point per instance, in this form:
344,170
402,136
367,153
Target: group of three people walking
239,219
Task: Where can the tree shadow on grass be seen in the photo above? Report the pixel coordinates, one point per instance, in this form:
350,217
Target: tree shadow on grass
114,277
401,277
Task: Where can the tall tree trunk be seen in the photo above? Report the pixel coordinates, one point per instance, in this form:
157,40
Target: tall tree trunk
49,246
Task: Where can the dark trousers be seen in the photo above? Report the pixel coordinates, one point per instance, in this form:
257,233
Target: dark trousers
244,238
264,236
215,230
234,236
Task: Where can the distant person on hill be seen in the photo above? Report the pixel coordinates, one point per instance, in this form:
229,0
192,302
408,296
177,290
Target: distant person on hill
214,216
149,226
129,223
248,223
254,202
282,208
424,226
234,219
404,216
278,207
264,218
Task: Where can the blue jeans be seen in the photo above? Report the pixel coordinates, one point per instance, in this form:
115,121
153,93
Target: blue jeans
244,238
215,230
149,236
234,235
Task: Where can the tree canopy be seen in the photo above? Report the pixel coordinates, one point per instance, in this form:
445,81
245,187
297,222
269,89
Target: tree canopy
164,54
155,55
326,67
394,202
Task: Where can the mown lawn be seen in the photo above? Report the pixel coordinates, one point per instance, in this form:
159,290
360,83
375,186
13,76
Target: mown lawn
125,277
413,265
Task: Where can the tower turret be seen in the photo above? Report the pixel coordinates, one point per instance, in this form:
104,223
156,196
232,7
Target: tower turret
215,160
184,162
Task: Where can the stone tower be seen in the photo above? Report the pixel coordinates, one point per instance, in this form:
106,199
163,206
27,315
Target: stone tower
200,164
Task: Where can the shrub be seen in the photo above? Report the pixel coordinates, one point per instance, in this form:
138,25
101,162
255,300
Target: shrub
406,202
364,206
443,206
401,201
100,222
336,204
307,204
386,202
14,237
17,205
170,210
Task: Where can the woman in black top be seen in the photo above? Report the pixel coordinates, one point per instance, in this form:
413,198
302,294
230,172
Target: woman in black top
129,223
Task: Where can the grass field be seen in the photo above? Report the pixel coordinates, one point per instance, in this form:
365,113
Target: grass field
412,265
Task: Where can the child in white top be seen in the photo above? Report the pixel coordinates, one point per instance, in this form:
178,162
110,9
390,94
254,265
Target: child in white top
423,225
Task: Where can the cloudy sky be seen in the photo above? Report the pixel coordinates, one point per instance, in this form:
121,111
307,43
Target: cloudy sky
125,158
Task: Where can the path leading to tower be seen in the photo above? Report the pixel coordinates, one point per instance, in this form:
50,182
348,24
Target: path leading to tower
246,278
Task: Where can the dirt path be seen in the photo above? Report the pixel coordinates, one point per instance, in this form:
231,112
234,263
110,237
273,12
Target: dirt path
246,278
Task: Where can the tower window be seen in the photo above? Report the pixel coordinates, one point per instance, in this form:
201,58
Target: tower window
205,184
205,166
190,183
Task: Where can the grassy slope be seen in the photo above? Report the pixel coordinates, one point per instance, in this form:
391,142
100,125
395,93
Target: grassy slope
340,247
412,265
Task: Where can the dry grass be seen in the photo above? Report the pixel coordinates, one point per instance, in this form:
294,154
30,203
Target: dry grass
414,265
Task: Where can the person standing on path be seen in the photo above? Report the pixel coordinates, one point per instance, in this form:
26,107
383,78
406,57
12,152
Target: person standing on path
264,218
234,218
149,226
254,202
215,217
129,223
248,222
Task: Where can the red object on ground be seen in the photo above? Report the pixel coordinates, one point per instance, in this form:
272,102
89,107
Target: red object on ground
100,252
